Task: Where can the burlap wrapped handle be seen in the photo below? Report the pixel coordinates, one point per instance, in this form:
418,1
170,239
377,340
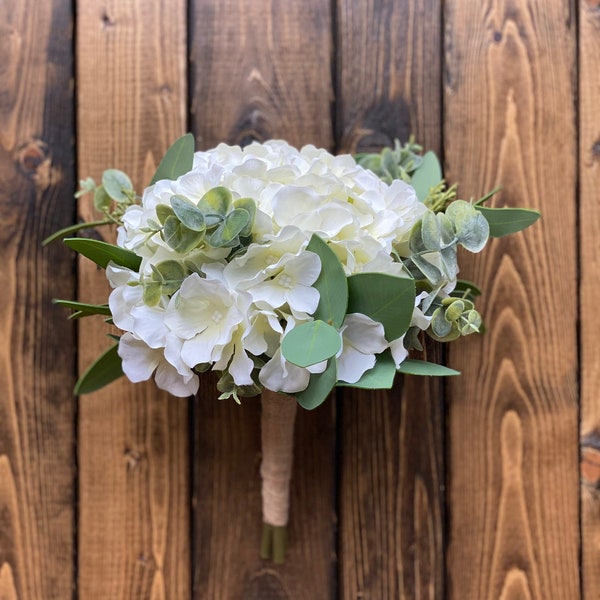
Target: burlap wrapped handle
277,435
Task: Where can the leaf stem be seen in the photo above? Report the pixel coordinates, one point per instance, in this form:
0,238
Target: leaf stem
72,229
273,543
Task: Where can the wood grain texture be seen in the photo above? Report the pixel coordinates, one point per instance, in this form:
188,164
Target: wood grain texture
227,501
133,451
388,73
509,119
391,494
589,183
261,70
37,359
263,74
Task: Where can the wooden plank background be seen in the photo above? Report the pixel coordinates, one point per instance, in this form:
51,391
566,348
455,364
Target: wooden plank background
487,486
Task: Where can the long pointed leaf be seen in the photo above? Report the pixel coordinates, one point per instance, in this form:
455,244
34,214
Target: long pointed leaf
319,386
102,253
412,366
177,161
102,372
380,377
504,221
388,299
82,309
427,175
331,284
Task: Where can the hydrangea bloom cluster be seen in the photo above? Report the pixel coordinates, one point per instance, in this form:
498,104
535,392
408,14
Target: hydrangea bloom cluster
224,300
283,269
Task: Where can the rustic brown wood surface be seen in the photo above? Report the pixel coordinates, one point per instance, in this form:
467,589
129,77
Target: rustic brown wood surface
391,488
37,358
589,177
264,74
509,118
133,440
135,494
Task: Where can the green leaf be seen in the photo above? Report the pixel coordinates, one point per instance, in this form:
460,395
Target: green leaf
177,161
170,274
412,366
226,234
106,369
152,293
216,201
427,175
102,200
179,237
73,229
115,184
472,229
380,377
466,287
504,221
311,343
384,298
331,284
82,309
188,213
249,205
163,212
102,253
431,272
430,231
319,387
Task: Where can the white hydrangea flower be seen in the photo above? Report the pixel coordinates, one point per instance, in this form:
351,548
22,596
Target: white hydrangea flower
139,362
362,339
232,310
205,314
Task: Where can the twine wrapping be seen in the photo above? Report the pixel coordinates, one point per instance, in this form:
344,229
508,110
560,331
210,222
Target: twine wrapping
277,433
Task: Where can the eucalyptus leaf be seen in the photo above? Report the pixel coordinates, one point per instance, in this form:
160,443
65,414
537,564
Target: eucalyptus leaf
102,253
103,371
152,293
102,200
216,201
504,221
227,233
180,238
440,326
428,174
171,274
446,230
163,212
116,184
387,299
188,213
319,387
471,229
331,284
311,343
249,205
380,377
430,271
177,161
412,366
430,231
83,309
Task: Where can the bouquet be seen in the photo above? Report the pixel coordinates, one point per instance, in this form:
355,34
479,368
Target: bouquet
288,272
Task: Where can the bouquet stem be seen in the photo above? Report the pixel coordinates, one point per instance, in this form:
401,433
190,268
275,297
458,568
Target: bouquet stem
277,433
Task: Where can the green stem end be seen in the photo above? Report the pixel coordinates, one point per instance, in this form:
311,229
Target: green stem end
273,544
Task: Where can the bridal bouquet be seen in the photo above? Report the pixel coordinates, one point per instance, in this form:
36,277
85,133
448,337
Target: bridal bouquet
284,270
